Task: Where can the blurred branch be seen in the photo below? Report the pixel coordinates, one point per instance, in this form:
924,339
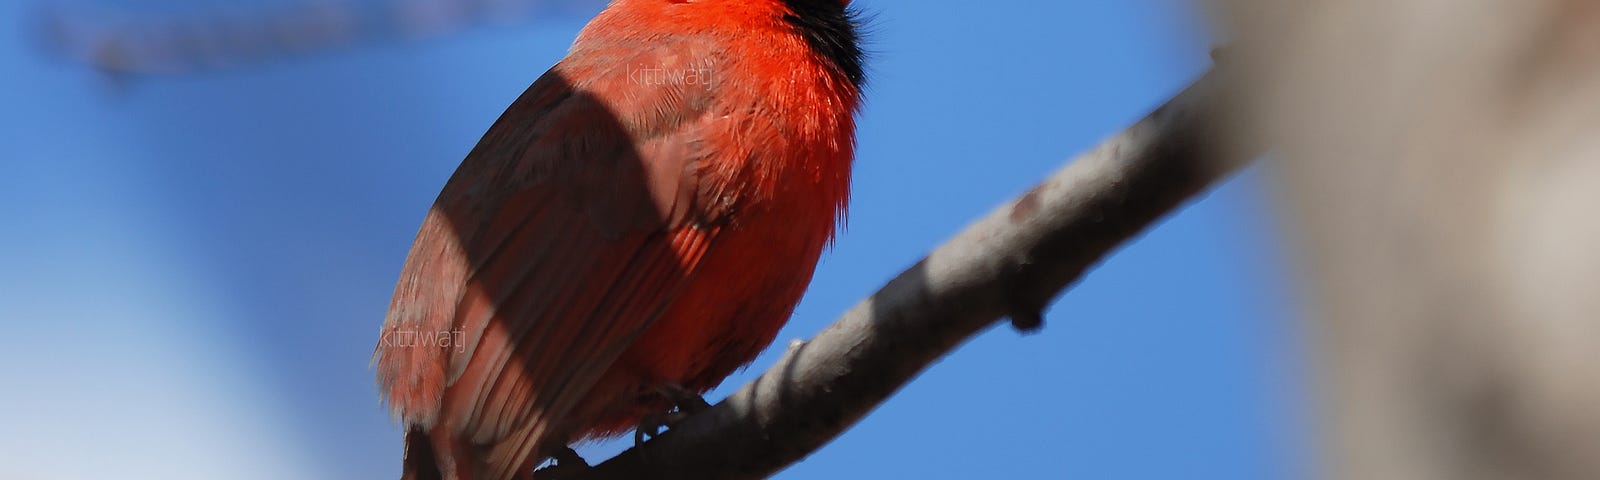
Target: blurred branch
1439,163
1011,263
124,46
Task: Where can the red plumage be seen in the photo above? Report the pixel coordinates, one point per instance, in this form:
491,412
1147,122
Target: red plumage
647,213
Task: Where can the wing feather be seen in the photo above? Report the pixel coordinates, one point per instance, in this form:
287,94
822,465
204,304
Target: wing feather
562,236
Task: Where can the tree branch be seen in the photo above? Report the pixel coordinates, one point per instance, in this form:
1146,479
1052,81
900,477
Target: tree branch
125,46
1011,263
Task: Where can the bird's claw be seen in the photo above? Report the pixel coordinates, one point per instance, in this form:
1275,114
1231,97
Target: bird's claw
650,426
686,400
687,403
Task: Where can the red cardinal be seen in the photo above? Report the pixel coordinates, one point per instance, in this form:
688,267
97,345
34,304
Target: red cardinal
635,227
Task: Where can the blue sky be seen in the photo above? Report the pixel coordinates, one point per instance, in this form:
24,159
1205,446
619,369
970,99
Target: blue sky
196,266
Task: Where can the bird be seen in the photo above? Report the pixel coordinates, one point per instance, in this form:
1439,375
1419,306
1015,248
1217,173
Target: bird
635,227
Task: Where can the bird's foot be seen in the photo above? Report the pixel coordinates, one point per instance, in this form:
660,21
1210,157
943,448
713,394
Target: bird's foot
650,426
686,400
568,464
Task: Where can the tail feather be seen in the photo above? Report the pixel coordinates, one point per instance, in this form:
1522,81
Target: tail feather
420,462
517,454
513,458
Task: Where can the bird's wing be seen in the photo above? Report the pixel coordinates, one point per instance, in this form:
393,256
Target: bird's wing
559,240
